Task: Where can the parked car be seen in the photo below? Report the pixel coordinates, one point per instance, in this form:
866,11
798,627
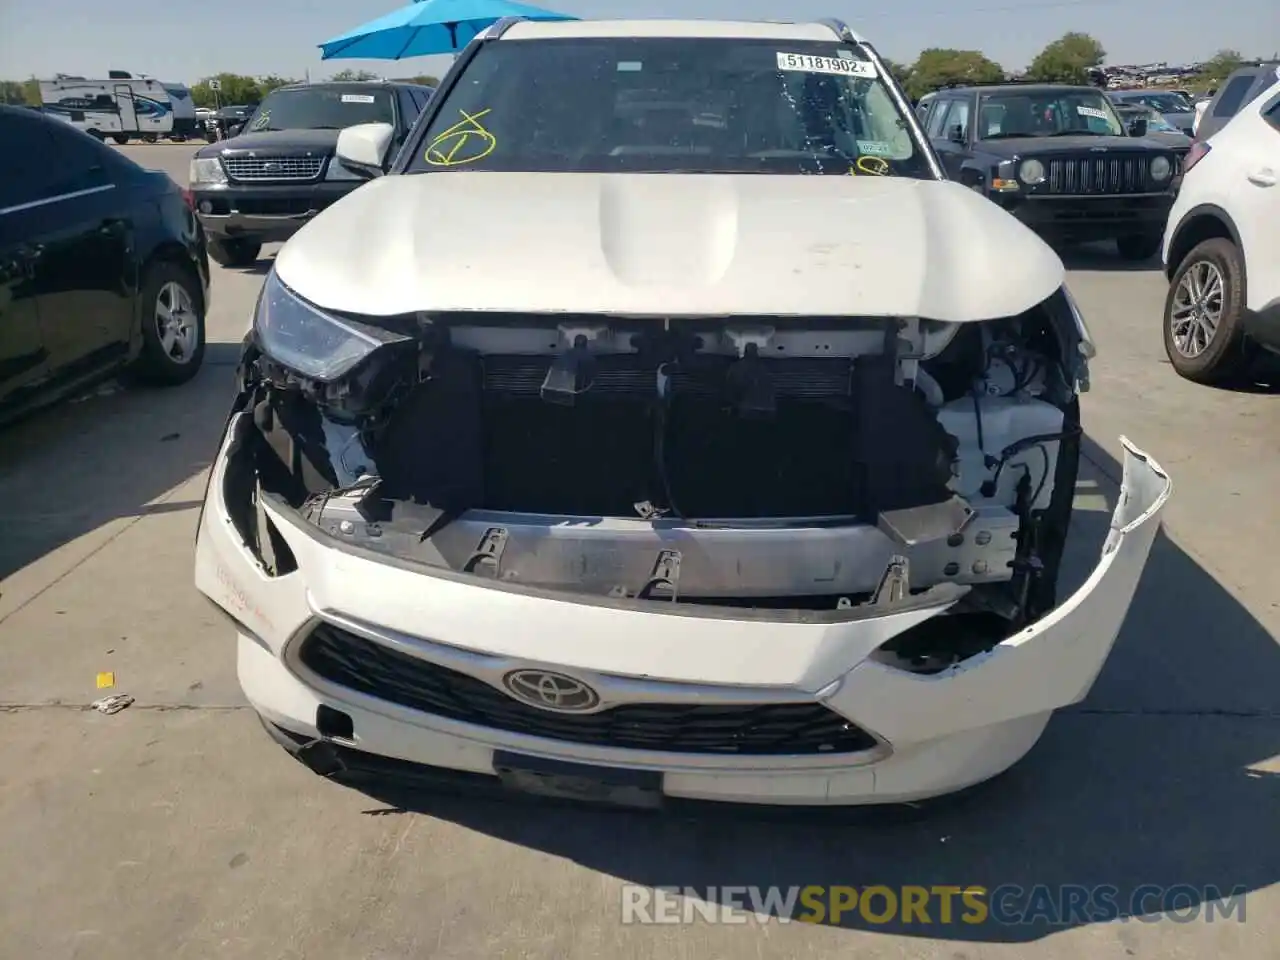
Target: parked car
1157,128
555,474
227,121
1174,106
1242,88
102,266
277,171
1222,249
1059,159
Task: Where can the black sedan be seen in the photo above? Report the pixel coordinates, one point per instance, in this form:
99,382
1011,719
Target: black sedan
102,266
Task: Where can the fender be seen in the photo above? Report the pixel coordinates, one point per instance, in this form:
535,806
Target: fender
1179,243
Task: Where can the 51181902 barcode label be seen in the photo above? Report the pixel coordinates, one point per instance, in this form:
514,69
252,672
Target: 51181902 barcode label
807,63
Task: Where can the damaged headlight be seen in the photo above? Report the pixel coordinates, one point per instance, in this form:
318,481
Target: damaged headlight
309,341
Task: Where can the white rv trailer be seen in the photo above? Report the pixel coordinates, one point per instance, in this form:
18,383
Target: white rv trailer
122,107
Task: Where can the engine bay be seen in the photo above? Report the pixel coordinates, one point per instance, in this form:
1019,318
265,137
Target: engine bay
785,464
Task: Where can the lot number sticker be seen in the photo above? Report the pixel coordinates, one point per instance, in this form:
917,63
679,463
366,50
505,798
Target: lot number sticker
1092,112
804,63
357,98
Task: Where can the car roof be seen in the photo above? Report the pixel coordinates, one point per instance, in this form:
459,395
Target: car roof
322,84
1003,88
705,29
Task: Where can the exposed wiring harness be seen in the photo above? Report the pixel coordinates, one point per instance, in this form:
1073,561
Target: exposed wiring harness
1026,443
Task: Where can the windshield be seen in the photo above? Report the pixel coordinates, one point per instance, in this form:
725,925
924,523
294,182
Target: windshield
670,105
322,108
1164,102
1048,113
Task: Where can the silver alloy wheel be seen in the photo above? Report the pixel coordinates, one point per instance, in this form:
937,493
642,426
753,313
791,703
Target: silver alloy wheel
176,322
1196,311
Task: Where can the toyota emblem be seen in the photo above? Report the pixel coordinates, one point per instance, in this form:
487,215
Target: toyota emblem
550,691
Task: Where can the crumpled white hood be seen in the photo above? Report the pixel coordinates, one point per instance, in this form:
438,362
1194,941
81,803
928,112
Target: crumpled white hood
670,244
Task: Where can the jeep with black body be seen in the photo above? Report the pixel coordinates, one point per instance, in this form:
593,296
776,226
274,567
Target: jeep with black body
278,170
1059,158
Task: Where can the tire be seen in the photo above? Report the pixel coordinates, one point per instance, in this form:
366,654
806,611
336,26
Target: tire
150,138
1139,247
171,306
1199,348
235,253
120,138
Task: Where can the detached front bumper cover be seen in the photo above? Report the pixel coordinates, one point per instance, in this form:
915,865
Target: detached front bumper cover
936,733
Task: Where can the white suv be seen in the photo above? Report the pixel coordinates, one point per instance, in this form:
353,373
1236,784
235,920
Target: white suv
664,424
1222,249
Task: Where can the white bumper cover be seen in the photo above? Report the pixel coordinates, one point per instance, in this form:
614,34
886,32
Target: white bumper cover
935,733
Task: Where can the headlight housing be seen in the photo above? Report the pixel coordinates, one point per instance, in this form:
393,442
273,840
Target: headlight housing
309,341
1161,168
207,171
1031,172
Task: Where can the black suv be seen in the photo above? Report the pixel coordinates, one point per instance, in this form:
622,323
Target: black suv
278,171
1059,159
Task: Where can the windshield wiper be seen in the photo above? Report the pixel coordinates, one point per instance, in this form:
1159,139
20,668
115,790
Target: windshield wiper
324,127
1010,135
1082,133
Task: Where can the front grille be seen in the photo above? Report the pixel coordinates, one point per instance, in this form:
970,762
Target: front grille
350,661
278,206
1099,175
273,168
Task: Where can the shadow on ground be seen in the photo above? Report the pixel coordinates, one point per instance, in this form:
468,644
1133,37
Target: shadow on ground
70,469
1103,257
1148,782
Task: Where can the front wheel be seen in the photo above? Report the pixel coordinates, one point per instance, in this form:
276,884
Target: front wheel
1139,247
173,336
119,138
234,252
1203,333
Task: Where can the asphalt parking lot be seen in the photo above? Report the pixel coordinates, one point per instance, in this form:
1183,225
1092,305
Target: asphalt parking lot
177,829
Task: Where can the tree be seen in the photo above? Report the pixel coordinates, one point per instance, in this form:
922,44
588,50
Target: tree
236,89
345,75
1220,66
19,92
1067,60
937,67
271,81
899,71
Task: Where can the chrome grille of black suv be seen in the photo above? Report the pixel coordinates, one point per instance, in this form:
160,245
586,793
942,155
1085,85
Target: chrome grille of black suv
273,168
351,661
1100,175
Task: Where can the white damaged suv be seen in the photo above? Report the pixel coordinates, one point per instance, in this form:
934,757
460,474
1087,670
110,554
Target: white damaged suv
664,424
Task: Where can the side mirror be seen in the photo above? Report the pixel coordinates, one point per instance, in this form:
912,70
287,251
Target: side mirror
1138,127
362,149
956,134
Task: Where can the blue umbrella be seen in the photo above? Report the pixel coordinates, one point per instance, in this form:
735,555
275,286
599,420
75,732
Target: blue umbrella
426,28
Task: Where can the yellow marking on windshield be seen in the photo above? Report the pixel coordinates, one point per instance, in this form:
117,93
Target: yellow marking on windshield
467,137
871,166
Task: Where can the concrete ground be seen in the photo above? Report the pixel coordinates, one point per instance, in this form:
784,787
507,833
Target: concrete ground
176,829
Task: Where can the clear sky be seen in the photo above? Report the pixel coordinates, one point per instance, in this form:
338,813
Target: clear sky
184,40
